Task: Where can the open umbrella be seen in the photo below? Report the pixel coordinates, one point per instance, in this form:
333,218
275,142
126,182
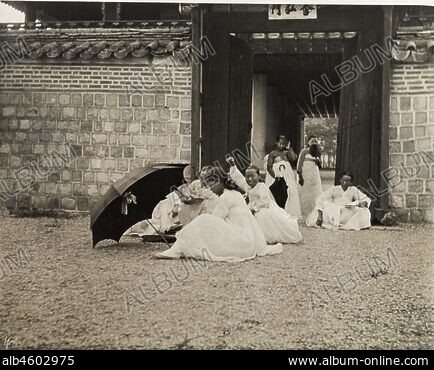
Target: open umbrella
111,216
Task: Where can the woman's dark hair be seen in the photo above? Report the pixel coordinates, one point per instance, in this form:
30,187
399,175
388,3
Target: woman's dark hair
217,175
347,173
310,137
255,168
315,150
281,137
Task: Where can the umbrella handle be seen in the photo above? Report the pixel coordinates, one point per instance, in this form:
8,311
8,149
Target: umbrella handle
161,235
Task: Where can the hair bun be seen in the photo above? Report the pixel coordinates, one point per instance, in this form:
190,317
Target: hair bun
230,184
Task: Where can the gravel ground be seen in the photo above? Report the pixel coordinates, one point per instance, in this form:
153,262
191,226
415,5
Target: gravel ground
62,293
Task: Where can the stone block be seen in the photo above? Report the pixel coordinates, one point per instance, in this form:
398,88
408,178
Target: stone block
8,111
404,103
92,190
424,144
139,140
426,201
406,132
128,152
83,204
38,202
77,175
408,146
99,100
185,128
421,118
420,131
122,165
112,100
420,103
186,103
185,155
53,203
124,100
80,189
95,163
65,188
134,127
146,127
116,151
68,203
172,102
114,114
64,99
136,100
88,100
415,186
124,139
51,98
127,114
68,113
76,99
406,119
23,201
100,138
410,200
186,116
148,101
140,114
109,164
102,177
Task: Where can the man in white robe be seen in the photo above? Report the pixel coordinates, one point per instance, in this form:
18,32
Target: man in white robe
342,207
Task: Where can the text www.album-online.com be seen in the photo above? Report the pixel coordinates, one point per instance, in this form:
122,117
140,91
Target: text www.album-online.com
368,361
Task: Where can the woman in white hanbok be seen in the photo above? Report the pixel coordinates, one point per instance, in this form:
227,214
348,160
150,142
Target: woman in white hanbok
276,224
229,234
342,207
311,189
280,177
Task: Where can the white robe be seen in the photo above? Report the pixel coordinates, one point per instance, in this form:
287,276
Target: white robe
340,209
162,215
284,169
229,234
311,189
276,224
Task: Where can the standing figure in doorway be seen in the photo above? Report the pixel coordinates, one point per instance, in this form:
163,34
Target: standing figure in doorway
281,178
309,178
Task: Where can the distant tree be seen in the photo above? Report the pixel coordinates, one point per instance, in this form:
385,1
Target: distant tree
325,129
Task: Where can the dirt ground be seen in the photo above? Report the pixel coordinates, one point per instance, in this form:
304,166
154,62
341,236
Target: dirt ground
368,289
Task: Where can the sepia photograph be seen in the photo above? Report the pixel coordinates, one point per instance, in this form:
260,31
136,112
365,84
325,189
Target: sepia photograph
216,176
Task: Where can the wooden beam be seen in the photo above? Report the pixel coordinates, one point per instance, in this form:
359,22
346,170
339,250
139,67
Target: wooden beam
388,24
329,20
196,70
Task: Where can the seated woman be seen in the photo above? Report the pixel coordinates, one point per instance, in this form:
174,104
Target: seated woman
342,207
229,234
311,189
276,224
281,179
195,198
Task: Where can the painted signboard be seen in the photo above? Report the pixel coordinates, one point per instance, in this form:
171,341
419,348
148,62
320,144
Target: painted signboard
288,11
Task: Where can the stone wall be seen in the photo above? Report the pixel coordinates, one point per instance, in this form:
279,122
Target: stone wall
114,118
412,141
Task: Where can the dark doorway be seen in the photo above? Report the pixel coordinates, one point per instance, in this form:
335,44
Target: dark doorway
311,46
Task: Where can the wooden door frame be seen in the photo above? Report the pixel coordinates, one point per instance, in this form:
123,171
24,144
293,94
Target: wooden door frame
341,19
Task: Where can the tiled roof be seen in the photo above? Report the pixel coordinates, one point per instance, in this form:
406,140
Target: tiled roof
151,39
413,51
414,40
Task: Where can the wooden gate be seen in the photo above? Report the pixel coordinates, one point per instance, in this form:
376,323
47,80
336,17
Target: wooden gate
227,98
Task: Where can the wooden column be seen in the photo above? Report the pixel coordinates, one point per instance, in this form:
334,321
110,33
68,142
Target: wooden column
196,71
385,107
